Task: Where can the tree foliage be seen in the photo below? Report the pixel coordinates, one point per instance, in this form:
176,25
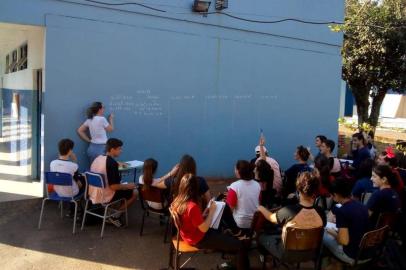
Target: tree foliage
374,53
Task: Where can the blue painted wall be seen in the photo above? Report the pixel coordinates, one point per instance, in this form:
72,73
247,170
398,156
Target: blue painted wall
183,83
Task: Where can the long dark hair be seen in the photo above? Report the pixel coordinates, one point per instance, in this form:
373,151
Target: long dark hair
93,109
265,173
150,166
187,165
322,165
188,191
386,171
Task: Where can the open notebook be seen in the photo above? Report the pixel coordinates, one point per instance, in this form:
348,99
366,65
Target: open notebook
331,225
215,222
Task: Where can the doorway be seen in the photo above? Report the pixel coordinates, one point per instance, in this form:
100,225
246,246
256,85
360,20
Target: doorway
21,73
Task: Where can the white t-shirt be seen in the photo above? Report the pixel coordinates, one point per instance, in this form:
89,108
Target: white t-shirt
247,201
65,166
97,128
154,205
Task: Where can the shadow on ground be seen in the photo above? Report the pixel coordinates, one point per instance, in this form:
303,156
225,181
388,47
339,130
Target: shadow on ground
23,246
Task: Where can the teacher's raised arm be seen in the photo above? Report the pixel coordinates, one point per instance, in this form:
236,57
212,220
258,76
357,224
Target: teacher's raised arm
97,126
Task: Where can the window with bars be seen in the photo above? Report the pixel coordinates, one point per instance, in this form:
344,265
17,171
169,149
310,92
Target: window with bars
17,59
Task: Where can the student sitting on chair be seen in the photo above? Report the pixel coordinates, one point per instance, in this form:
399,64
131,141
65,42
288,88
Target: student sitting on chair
327,148
66,163
303,215
301,155
385,199
195,223
186,165
318,140
114,189
147,178
263,154
363,184
264,175
388,157
360,151
242,200
351,218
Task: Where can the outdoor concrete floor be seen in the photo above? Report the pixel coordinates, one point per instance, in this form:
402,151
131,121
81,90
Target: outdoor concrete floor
23,246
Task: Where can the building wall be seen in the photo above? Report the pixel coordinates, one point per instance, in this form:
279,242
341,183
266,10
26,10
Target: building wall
394,106
23,80
184,83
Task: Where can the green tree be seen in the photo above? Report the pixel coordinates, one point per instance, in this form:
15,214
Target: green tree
374,53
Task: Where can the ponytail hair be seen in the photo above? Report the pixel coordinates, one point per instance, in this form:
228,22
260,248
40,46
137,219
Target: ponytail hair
322,165
303,153
93,109
150,166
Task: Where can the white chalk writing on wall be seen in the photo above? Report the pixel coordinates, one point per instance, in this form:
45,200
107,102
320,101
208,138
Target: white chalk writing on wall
146,103
143,103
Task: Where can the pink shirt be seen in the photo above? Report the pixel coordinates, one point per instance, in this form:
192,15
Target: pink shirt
100,195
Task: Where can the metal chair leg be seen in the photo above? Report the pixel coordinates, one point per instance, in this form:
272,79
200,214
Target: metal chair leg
142,223
104,221
177,257
84,215
42,212
264,263
126,213
166,231
74,217
171,254
61,202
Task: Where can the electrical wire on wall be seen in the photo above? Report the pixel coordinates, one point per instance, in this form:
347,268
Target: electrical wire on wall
241,18
160,14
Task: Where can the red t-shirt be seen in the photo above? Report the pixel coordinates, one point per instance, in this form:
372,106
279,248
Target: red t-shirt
323,191
232,198
191,219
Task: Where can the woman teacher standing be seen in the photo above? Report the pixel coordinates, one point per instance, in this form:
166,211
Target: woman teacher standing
97,125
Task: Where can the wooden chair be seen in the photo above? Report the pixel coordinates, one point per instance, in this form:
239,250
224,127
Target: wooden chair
372,244
178,246
154,195
387,219
298,245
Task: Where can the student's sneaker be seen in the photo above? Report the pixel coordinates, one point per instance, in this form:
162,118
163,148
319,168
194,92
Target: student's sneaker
70,215
226,266
115,221
236,232
244,237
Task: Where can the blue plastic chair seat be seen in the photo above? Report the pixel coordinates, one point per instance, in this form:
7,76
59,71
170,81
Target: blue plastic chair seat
55,197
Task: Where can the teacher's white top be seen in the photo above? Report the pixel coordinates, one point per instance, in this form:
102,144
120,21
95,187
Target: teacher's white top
97,128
